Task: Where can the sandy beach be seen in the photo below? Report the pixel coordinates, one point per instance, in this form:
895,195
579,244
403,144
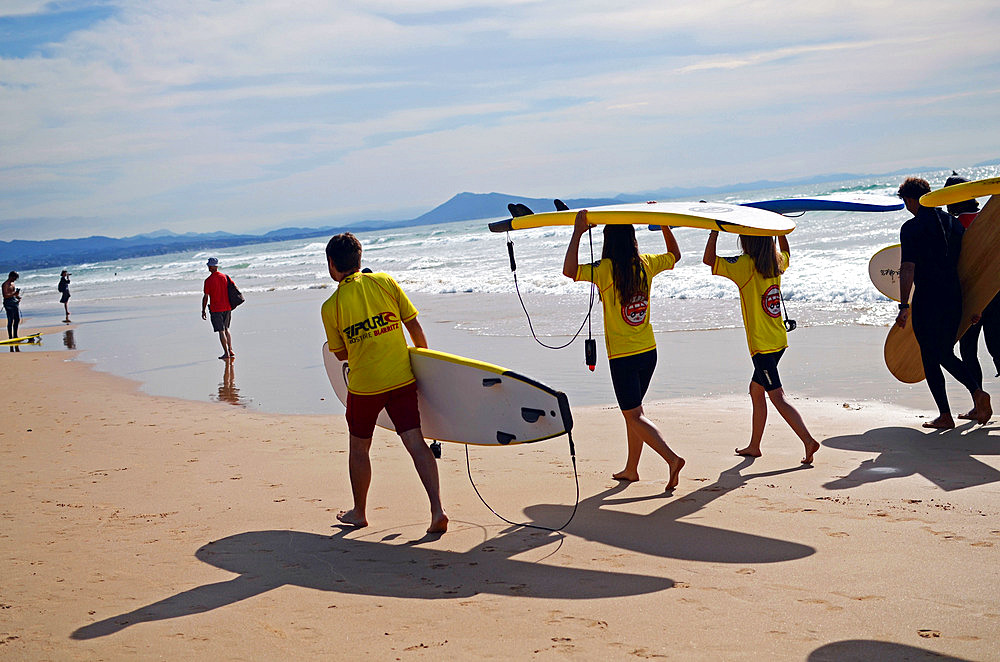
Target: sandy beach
148,527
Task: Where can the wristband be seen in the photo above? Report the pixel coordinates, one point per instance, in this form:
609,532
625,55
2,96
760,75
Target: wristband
904,306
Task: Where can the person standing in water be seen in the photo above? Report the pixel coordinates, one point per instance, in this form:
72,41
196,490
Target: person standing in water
757,273
64,288
931,243
12,304
216,297
623,277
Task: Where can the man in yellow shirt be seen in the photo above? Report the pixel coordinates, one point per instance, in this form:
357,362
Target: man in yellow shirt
364,322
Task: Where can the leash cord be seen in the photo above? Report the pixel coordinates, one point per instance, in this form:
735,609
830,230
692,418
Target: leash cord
576,504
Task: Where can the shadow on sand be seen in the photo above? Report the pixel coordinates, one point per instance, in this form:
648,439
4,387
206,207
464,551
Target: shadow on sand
659,533
865,650
265,560
944,458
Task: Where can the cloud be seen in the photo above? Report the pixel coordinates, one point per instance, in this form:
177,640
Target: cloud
180,113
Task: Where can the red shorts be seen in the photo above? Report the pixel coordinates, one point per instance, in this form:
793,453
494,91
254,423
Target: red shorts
400,404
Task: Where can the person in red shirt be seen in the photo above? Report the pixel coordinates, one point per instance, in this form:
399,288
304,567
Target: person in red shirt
217,291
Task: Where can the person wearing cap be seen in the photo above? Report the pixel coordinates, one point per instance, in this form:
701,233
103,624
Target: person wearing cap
989,323
64,288
217,299
931,243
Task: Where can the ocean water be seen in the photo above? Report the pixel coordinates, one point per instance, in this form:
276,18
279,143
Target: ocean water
140,317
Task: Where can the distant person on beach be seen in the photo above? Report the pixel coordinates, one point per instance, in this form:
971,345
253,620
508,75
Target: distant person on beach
12,304
931,243
217,292
757,273
624,277
364,320
989,323
64,288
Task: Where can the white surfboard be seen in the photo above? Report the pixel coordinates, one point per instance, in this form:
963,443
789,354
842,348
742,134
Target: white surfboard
883,269
472,402
737,219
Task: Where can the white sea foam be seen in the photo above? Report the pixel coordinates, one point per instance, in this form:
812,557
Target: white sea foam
828,276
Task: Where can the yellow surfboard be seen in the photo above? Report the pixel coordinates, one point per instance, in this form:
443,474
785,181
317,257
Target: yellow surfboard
34,337
949,195
737,219
979,272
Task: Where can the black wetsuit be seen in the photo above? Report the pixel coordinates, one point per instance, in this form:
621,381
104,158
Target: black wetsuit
932,241
12,306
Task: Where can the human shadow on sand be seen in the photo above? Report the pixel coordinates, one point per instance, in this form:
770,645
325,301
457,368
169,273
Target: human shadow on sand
864,650
944,458
266,560
660,533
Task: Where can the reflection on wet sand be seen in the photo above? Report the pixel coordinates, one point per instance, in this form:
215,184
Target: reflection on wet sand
69,340
228,392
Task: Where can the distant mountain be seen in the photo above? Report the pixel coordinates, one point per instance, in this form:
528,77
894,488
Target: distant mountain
21,254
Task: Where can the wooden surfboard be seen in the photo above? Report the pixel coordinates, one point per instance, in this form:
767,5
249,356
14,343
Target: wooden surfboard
979,272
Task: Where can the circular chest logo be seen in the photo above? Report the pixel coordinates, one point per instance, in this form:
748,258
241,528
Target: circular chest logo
770,301
634,311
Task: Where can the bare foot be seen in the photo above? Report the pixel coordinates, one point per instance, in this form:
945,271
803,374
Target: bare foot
350,518
942,422
625,474
675,473
983,408
439,524
971,416
748,452
811,449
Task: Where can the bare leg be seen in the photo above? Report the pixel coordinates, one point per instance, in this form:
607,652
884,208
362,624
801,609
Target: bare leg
66,306
229,344
631,470
644,429
759,419
794,420
423,460
981,399
360,466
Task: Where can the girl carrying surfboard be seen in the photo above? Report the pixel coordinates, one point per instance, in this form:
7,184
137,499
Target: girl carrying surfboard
757,272
623,278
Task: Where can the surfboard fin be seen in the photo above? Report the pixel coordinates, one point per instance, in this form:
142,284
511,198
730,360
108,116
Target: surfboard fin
504,438
531,415
517,209
560,205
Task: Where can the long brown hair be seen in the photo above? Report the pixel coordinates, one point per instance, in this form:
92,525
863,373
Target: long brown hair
621,247
764,254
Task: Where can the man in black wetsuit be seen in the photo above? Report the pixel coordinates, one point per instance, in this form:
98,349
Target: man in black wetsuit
931,242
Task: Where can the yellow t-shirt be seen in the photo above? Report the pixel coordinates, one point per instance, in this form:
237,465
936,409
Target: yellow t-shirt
760,302
366,315
627,330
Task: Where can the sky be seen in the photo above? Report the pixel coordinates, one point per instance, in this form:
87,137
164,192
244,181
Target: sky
119,117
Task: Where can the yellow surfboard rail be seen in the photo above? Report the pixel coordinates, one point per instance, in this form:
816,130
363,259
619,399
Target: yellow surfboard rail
949,195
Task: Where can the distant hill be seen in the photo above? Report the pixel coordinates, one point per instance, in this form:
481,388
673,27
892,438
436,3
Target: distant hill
21,254
57,253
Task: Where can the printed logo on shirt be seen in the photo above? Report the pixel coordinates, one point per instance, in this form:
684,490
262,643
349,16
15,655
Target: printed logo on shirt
375,325
770,301
634,312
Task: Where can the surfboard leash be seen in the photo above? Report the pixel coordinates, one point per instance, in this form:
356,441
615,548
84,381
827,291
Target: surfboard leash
576,503
590,345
